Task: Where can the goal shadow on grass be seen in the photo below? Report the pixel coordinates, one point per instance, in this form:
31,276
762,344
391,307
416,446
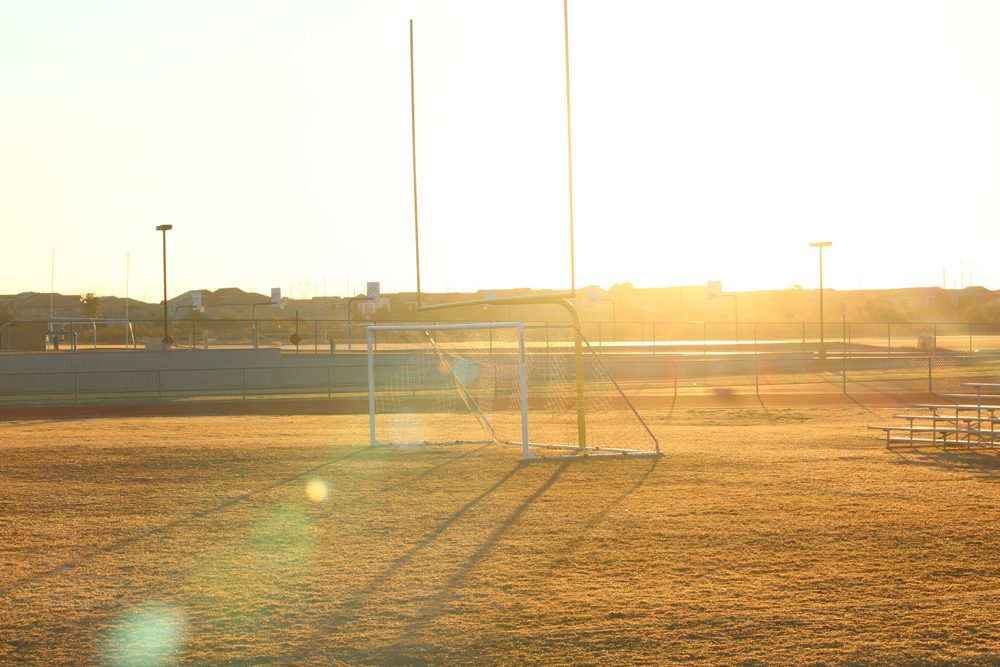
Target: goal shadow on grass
371,589
594,521
432,610
457,582
400,652
431,470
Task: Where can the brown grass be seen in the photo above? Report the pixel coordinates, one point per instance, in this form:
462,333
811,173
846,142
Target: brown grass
786,536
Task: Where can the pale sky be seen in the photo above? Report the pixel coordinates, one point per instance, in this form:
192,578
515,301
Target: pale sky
711,140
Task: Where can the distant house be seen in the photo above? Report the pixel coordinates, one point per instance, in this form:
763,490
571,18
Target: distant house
366,307
114,308
183,305
233,300
324,308
5,301
970,295
29,306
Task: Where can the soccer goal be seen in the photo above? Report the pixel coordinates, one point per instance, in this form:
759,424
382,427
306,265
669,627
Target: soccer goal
508,383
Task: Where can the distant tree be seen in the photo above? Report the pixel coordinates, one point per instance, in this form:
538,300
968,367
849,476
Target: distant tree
621,288
980,313
875,310
795,287
91,305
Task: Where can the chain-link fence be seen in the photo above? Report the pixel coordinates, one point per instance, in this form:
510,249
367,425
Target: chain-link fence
245,375
853,339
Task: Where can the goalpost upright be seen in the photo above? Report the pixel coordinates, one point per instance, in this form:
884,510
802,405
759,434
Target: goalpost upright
425,381
557,299
521,362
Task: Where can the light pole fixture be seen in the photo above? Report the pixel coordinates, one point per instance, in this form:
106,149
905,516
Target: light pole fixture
167,340
822,342
714,291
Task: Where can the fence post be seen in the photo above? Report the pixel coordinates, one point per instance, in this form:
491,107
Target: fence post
244,373
930,377
849,346
843,371
675,379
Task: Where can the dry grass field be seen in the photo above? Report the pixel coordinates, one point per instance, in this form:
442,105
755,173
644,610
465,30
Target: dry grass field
786,536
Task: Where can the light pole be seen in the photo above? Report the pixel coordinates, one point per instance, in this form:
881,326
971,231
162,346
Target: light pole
736,317
349,302
822,342
614,318
167,340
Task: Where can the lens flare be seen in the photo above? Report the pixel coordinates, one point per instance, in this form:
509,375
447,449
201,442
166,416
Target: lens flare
317,490
153,636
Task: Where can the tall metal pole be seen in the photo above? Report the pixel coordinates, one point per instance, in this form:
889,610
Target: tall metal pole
165,334
578,343
126,284
165,228
52,287
413,130
822,341
569,144
736,315
614,319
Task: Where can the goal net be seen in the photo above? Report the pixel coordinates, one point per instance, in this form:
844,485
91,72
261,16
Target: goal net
542,388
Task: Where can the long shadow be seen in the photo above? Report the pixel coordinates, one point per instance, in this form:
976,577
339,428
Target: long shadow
16,423
571,545
376,583
460,577
114,546
862,405
955,458
430,470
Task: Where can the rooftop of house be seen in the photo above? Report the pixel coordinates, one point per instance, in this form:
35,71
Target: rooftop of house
45,300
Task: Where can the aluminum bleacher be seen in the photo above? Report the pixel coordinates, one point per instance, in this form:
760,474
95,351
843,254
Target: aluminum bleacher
975,422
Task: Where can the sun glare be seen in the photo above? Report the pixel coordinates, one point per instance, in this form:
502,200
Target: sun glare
317,490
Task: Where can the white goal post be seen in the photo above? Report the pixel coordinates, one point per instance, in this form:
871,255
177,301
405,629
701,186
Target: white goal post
450,383
442,354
